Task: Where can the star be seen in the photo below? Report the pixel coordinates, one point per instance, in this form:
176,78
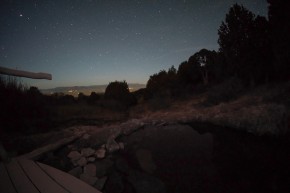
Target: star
110,33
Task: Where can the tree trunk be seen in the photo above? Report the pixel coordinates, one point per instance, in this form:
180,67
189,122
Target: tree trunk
204,74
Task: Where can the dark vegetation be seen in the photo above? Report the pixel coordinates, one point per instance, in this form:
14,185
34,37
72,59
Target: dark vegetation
253,51
118,94
26,110
21,107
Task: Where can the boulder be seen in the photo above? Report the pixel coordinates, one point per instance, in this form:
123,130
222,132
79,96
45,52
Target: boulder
90,169
122,166
86,136
100,183
144,183
114,183
145,160
76,171
82,162
70,146
121,146
91,180
86,152
100,153
74,155
103,167
115,132
91,159
131,126
112,146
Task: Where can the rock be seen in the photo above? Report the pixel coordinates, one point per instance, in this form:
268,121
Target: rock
144,183
76,171
50,155
70,146
90,169
86,152
103,167
100,153
74,155
91,159
74,162
91,180
131,126
145,160
114,183
122,166
86,136
112,146
100,183
82,162
121,146
115,132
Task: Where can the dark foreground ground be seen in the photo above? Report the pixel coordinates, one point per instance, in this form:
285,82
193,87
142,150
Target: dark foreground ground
182,158
238,146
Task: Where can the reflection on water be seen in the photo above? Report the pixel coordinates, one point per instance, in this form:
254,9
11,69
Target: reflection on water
220,160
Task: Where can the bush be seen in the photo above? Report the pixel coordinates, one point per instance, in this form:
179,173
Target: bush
158,103
141,95
224,92
67,100
82,97
93,98
22,110
119,91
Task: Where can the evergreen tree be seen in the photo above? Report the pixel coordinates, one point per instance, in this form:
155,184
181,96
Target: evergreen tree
244,41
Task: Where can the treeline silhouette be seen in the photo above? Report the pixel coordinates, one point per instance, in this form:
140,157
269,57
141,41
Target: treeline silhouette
27,110
252,51
22,109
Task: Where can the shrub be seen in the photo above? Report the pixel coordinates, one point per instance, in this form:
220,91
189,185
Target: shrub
224,92
22,110
67,100
159,102
93,98
82,97
119,91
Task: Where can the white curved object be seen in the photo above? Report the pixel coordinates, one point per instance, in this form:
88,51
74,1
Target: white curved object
20,73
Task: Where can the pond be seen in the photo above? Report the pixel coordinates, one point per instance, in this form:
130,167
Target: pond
218,160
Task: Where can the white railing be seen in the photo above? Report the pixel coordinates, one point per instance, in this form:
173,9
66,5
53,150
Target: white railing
26,74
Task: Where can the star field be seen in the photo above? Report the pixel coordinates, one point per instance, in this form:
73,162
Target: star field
89,42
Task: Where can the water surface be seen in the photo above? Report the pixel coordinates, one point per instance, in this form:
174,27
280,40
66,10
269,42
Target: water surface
218,160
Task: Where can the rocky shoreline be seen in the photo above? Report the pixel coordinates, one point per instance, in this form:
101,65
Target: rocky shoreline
97,156
100,164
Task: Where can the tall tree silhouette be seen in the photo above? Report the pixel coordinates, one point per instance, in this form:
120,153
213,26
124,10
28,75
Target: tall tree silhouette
189,72
164,82
244,41
206,60
234,35
261,57
279,17
157,82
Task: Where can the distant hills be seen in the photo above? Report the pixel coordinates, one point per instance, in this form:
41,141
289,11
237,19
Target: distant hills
75,90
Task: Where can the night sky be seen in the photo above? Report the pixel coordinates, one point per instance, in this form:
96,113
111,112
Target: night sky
92,42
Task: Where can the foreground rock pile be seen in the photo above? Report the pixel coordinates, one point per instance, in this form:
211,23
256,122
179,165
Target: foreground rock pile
105,167
91,165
